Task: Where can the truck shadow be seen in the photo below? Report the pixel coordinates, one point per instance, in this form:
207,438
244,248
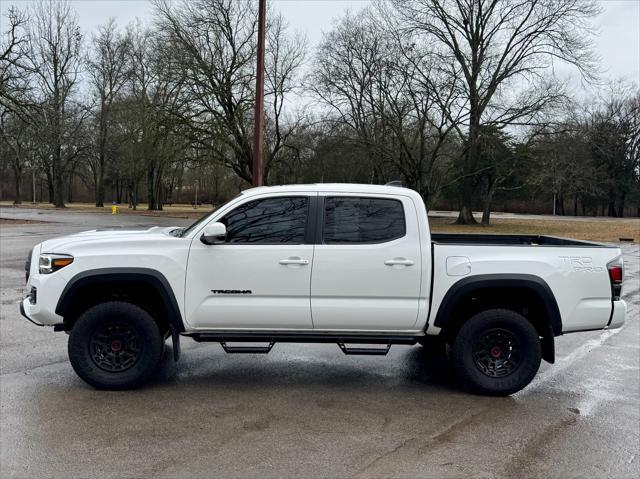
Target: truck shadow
306,366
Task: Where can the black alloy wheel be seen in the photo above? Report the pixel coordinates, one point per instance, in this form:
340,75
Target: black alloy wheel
115,345
496,352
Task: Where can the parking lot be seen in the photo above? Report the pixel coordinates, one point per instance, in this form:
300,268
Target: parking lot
306,410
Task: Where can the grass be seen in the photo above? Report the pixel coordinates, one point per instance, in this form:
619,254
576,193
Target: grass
595,230
11,221
173,211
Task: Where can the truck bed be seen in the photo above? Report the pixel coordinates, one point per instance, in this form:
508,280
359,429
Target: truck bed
510,240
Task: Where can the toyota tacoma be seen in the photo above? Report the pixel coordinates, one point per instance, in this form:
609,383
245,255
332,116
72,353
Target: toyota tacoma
354,265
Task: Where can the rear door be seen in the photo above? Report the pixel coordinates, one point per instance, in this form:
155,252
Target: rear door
367,267
260,278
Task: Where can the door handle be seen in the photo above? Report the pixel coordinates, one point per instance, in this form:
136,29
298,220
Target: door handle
294,260
399,261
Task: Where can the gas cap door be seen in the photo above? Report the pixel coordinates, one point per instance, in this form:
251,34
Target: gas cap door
458,266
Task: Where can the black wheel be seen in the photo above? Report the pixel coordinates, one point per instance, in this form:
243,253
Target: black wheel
115,345
496,352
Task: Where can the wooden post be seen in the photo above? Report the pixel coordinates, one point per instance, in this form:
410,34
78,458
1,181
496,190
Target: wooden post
258,130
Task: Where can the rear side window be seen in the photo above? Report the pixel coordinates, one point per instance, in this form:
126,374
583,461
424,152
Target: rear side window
350,219
268,221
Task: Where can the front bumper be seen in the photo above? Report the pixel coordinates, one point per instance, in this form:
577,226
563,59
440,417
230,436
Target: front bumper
618,314
24,313
49,289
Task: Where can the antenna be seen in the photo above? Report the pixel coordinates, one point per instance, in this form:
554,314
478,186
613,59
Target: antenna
394,183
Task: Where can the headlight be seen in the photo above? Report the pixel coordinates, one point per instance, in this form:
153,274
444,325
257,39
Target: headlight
50,263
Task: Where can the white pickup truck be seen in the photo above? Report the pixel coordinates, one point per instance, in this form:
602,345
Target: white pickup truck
349,264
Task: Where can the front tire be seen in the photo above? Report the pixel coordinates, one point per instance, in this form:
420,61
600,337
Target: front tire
115,345
496,352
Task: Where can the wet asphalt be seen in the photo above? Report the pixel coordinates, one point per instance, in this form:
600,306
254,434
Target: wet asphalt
306,410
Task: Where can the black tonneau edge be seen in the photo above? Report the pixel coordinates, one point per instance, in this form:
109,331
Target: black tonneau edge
511,240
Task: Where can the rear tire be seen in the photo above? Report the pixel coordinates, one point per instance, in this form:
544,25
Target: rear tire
496,352
115,345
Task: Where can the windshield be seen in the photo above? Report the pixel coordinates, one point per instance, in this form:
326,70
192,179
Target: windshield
185,231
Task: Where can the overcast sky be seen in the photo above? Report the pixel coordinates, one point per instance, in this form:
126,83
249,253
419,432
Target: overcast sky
618,43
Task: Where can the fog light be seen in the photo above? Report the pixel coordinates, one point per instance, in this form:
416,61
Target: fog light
33,295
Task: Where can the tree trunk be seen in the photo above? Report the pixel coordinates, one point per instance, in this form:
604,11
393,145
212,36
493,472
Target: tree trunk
150,187
102,142
471,158
70,190
465,215
160,193
58,179
50,185
611,210
154,186
486,211
621,206
135,195
100,183
119,189
575,205
17,172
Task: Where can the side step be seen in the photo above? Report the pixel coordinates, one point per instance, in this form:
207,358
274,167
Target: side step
246,349
218,336
365,351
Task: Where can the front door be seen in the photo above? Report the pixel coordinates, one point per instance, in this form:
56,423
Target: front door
367,267
260,277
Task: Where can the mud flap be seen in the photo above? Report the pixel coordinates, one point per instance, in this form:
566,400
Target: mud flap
175,340
547,343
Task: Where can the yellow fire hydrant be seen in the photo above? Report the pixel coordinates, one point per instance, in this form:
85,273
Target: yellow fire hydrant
114,209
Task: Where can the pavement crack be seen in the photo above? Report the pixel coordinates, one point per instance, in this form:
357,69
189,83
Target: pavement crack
4,373
383,456
533,450
444,436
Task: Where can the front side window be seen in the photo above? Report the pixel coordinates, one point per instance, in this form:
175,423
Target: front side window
268,221
362,220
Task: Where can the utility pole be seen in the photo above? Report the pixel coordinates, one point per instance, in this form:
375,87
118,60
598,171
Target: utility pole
258,129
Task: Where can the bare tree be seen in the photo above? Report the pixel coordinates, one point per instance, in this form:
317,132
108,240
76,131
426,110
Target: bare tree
614,135
14,137
14,71
349,68
284,57
108,69
154,96
505,49
213,46
391,95
55,60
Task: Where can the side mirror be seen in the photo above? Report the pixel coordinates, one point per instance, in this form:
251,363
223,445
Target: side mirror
215,233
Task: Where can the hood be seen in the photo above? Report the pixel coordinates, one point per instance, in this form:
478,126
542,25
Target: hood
116,235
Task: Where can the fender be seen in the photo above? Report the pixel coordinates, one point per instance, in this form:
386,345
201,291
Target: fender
501,281
124,275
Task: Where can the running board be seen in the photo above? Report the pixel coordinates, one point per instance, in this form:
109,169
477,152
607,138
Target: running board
228,336
365,351
246,349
